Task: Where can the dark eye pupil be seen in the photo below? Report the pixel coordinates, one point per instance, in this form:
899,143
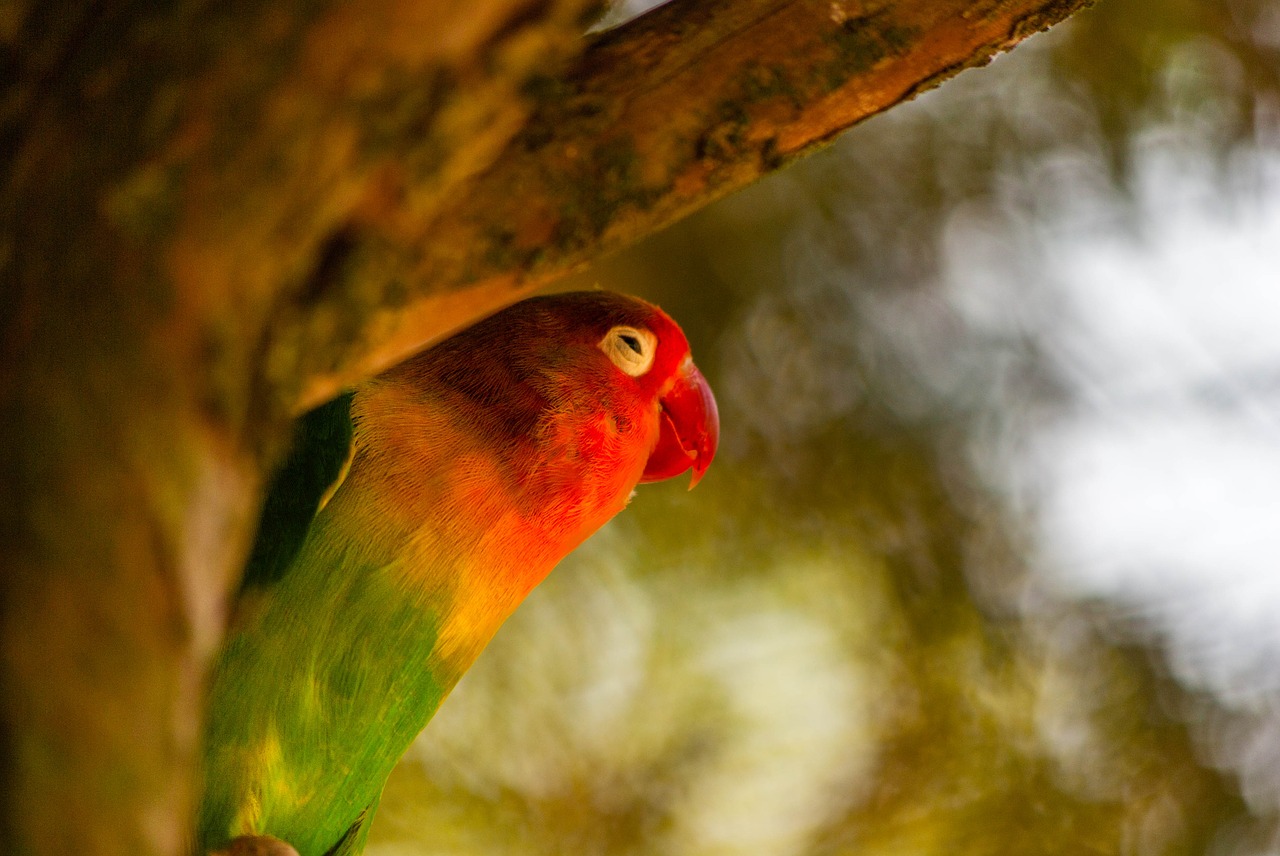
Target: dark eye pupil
631,342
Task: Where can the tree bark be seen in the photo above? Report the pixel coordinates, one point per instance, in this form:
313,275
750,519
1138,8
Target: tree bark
215,215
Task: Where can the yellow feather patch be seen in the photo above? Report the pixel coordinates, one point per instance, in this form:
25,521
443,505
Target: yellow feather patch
262,767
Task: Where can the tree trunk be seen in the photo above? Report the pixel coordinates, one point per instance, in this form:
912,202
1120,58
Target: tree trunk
217,214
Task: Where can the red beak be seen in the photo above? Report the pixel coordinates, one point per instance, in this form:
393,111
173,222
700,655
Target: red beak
689,429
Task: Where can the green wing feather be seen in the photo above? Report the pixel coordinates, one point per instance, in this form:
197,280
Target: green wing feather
318,455
307,711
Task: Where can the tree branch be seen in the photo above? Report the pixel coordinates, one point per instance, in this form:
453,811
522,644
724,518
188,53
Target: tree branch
660,117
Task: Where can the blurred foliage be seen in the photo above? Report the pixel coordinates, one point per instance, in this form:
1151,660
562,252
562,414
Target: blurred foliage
832,645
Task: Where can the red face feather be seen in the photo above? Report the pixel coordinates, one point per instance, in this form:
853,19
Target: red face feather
574,357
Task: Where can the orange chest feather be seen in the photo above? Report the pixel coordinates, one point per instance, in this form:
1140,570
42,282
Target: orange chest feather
506,509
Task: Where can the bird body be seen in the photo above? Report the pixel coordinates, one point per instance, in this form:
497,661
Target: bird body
475,468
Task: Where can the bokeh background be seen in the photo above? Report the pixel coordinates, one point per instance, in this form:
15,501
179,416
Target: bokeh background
987,563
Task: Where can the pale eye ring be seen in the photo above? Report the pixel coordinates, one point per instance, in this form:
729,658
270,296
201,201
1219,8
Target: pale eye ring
631,349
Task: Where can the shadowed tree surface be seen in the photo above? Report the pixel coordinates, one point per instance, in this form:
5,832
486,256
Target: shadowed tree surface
217,215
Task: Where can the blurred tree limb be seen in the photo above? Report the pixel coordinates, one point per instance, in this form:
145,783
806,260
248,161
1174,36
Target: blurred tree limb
215,215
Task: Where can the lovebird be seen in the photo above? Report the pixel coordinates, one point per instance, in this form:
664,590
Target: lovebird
415,514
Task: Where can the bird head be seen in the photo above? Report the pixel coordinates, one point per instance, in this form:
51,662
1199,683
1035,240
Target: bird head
647,346
585,374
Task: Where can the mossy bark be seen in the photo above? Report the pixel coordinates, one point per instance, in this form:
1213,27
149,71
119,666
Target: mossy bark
215,215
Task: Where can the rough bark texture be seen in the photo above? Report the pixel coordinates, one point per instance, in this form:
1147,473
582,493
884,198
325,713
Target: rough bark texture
216,214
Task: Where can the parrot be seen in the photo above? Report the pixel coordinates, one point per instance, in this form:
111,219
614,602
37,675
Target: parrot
414,515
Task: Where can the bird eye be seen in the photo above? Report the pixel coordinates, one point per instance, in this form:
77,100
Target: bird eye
630,349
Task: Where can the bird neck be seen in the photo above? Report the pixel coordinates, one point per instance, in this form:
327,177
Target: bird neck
470,517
